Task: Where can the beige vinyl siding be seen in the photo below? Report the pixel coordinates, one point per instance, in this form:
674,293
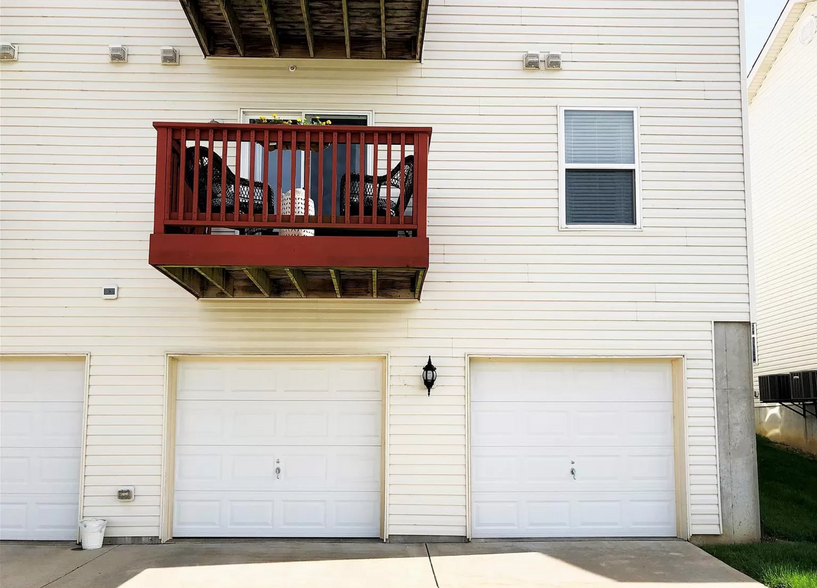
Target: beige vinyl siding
783,122
78,156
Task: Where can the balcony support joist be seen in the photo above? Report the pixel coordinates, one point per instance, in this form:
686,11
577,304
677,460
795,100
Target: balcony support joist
418,283
421,30
261,280
346,36
187,278
191,11
335,275
269,16
310,39
383,27
219,278
298,280
233,25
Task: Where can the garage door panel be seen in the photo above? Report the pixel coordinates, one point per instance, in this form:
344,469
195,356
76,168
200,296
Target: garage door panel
260,514
275,422
589,514
40,441
284,449
242,380
41,424
610,422
27,380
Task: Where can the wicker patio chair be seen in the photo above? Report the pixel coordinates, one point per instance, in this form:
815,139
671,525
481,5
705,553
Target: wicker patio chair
229,197
407,167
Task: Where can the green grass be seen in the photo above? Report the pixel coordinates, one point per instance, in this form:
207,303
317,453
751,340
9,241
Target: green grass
788,510
778,565
788,492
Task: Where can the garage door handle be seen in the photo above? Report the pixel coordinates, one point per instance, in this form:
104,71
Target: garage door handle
278,473
573,472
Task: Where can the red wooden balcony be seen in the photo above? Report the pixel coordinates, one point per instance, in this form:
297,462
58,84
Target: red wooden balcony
227,222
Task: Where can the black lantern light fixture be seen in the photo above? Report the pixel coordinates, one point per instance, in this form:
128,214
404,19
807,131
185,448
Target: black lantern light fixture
429,375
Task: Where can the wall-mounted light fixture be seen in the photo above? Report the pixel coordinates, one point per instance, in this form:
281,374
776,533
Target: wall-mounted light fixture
429,375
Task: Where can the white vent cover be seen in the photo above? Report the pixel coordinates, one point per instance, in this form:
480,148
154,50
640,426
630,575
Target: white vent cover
8,52
808,30
118,53
553,61
170,56
532,60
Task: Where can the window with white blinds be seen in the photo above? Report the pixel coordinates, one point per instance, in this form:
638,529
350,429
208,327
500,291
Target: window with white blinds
599,168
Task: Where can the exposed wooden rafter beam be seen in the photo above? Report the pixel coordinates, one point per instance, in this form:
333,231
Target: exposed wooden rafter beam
346,29
336,281
298,280
232,25
383,27
421,31
310,41
269,16
219,278
187,278
191,11
261,280
374,283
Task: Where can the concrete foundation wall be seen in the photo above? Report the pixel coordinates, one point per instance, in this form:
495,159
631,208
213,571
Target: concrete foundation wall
784,426
737,451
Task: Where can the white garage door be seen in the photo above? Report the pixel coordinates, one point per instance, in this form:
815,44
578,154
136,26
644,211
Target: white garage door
536,424
41,403
278,448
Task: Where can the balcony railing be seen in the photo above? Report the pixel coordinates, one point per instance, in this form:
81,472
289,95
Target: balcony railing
292,199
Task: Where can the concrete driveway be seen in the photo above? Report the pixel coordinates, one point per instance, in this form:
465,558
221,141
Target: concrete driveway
327,564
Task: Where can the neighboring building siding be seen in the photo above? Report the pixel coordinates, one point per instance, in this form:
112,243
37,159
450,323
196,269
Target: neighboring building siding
78,172
783,124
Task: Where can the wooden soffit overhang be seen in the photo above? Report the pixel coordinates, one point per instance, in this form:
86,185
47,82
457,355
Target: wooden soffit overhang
324,29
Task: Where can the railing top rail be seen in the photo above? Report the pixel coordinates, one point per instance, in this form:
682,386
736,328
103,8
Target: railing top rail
298,128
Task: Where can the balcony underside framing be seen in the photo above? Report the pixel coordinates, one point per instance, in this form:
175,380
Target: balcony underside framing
254,266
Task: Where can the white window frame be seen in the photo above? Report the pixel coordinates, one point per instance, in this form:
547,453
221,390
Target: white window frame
563,167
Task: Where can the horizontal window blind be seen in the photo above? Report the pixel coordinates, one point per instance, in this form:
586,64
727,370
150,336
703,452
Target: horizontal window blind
600,197
599,136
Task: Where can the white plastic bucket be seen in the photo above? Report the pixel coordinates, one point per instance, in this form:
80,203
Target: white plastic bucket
92,531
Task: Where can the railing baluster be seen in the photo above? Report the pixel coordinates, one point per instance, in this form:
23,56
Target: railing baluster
169,177
334,177
292,179
362,168
224,150
279,181
160,191
419,210
375,191
265,188
237,193
182,174
348,188
208,196
251,206
307,178
319,211
196,176
400,205
388,179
